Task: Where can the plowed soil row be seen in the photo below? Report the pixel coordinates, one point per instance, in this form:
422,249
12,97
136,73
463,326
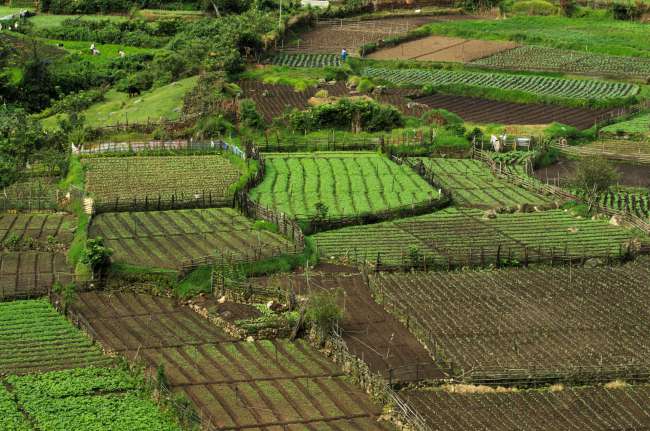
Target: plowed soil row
370,332
233,385
37,226
489,111
31,273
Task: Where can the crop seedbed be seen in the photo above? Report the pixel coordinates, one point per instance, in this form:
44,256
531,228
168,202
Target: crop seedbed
637,203
460,237
164,239
539,85
31,273
478,110
34,338
307,60
348,184
160,181
566,61
527,319
472,184
35,230
79,399
639,125
39,193
232,385
577,408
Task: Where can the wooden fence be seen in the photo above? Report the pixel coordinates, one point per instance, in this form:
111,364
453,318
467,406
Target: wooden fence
160,203
159,146
581,151
148,126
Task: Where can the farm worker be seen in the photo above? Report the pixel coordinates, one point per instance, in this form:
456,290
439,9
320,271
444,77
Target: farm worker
344,54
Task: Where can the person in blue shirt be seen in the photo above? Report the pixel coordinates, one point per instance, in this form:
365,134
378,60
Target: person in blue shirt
344,54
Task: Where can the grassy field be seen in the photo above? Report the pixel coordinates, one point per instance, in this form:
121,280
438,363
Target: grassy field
593,34
34,337
80,399
472,184
41,21
163,103
111,180
348,184
163,239
464,236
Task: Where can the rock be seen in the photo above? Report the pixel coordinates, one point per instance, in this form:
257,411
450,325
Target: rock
222,300
572,230
250,339
616,220
525,208
274,306
490,214
226,314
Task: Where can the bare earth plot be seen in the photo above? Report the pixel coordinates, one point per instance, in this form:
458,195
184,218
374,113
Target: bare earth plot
370,332
164,239
552,319
38,258
232,384
442,48
580,408
481,111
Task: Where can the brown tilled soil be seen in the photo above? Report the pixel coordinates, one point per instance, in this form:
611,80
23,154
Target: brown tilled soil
31,273
489,111
442,48
370,332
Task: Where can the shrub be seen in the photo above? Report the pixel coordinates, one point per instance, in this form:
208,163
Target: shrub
323,312
248,115
534,7
365,85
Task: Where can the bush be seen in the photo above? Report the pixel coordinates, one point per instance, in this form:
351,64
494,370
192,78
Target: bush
323,312
558,130
248,115
365,85
534,7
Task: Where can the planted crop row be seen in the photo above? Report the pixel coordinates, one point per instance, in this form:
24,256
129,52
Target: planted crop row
84,399
34,337
634,203
126,178
539,85
466,237
544,58
348,185
306,60
636,125
473,184
553,318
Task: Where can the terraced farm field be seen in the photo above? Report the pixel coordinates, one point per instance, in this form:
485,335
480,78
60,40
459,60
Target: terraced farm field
472,184
464,237
31,273
79,399
525,319
162,182
36,228
637,203
164,239
566,61
34,337
639,125
539,85
307,60
232,385
621,150
484,111
350,184
578,408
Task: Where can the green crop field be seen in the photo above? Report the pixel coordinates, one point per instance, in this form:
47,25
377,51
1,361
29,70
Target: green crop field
306,60
163,103
349,184
465,236
165,238
637,125
34,337
567,61
536,85
472,184
83,399
593,34
111,180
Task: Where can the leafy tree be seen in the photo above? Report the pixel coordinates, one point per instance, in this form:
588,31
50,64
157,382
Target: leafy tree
595,175
248,115
36,87
96,255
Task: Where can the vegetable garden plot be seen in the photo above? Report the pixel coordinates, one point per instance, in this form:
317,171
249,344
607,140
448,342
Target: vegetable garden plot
484,111
111,180
538,85
542,318
473,184
349,184
31,273
164,239
639,125
125,321
36,228
84,399
606,148
544,58
463,237
636,203
34,337
307,60
580,408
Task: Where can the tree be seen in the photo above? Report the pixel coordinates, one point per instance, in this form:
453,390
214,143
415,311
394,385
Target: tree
96,255
37,86
595,175
323,312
